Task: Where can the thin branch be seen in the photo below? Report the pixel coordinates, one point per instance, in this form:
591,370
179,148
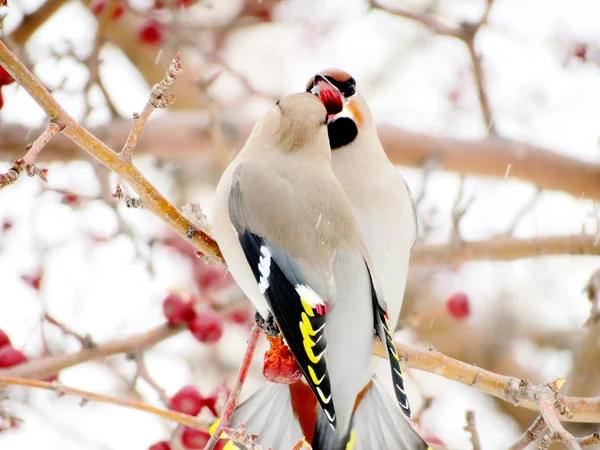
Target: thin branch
85,341
237,388
531,434
130,202
41,368
28,161
458,212
158,99
592,439
472,430
86,396
151,198
141,372
466,33
523,211
545,398
592,290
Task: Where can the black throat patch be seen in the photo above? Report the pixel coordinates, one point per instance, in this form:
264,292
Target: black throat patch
342,132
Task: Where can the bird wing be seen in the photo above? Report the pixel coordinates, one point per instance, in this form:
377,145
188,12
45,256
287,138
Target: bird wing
383,331
298,296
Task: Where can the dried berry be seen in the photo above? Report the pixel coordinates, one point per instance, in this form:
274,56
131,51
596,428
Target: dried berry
279,364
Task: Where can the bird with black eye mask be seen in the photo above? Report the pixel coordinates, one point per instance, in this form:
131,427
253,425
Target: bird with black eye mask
380,200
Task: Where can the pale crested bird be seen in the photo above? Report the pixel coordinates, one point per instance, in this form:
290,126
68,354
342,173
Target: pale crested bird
292,243
378,194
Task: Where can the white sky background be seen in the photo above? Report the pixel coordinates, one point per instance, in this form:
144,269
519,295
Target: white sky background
406,75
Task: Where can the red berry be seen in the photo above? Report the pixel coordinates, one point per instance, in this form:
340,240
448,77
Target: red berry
1,100
207,326
5,77
4,339
10,357
434,440
162,445
178,311
97,7
151,33
458,306
279,365
192,438
187,401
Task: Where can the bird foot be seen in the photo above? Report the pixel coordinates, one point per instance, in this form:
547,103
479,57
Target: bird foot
268,325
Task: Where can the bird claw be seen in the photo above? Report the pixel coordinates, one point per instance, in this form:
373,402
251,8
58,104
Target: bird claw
268,325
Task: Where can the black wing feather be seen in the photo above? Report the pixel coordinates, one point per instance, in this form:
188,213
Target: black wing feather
383,331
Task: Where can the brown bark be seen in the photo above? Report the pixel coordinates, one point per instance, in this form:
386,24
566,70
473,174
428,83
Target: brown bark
185,136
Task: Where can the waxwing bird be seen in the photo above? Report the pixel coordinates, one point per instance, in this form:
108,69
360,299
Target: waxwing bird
290,239
379,196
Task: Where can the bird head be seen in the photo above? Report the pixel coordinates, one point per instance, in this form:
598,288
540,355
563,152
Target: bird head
347,111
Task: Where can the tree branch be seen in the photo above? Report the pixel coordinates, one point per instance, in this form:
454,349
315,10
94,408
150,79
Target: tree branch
502,248
184,136
61,390
151,198
237,388
48,366
510,389
466,33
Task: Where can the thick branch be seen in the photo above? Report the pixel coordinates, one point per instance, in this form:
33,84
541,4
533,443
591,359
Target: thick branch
503,248
510,389
184,136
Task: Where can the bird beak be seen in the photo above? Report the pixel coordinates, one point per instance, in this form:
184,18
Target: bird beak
331,97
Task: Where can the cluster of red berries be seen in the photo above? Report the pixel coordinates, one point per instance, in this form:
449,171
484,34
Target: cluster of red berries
206,325
5,80
188,400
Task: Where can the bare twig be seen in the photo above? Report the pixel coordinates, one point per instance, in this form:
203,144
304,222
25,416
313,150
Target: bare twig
546,399
141,372
130,202
592,290
237,388
531,434
523,211
62,390
85,341
465,32
472,430
458,212
28,161
151,198
592,439
41,368
158,99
